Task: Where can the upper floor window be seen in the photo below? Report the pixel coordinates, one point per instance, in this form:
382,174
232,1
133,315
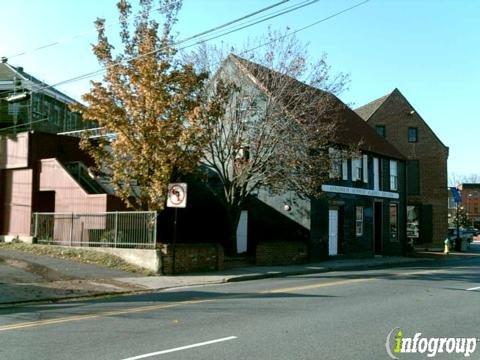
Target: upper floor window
412,134
357,170
242,107
393,175
380,130
335,163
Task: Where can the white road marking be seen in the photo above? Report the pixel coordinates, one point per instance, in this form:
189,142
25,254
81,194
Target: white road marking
474,288
181,348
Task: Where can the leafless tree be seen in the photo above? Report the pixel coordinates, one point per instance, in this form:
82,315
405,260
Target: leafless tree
277,132
455,179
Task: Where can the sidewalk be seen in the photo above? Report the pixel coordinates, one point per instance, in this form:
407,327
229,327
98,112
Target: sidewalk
31,278
263,272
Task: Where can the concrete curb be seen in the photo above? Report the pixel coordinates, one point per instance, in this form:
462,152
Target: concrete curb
325,270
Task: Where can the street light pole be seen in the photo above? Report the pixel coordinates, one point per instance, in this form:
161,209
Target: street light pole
468,208
457,240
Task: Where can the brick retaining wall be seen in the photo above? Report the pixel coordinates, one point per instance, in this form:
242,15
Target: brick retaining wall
191,258
281,253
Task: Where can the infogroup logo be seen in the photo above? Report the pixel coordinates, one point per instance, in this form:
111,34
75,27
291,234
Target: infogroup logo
396,344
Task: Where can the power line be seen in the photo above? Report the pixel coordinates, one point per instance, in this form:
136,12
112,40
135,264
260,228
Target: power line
93,73
81,34
88,75
254,23
233,21
252,20
57,42
307,26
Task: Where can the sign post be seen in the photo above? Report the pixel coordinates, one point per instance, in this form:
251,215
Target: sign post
177,198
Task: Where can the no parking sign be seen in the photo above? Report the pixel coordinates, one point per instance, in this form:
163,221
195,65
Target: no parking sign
177,195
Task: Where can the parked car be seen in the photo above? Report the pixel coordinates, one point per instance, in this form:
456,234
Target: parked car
464,235
472,230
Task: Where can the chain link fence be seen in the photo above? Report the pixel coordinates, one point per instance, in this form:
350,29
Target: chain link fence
125,229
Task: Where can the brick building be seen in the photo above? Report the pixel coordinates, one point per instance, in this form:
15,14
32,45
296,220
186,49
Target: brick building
470,204
394,118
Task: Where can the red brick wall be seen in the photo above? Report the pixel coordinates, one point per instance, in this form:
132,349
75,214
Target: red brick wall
281,253
431,153
191,258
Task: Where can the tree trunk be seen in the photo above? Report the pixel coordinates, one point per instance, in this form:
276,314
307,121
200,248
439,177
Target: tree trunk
233,213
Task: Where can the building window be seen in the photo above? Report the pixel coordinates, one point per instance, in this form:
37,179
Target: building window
380,130
56,115
70,122
394,222
393,175
335,163
359,220
36,103
357,171
413,177
412,134
242,107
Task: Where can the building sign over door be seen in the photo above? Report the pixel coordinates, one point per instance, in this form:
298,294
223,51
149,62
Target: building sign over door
358,191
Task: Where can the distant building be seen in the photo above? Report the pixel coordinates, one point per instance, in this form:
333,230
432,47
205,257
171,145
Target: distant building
394,118
39,106
470,204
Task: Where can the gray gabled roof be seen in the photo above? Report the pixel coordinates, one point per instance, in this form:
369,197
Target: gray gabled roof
350,128
31,83
367,110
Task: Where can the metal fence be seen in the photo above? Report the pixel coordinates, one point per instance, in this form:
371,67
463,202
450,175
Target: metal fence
122,229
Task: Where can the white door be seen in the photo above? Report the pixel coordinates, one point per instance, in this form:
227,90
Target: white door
242,231
332,232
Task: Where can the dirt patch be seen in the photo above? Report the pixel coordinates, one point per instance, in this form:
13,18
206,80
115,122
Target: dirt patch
44,272
78,255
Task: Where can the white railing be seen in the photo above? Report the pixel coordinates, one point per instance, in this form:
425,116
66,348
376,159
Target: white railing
93,133
122,229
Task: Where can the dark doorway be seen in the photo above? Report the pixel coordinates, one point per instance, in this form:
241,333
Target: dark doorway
45,201
378,227
426,223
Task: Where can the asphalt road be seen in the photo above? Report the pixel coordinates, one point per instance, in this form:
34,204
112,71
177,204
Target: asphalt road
338,315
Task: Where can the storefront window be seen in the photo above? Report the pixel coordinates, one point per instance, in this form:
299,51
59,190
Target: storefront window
394,222
413,222
359,221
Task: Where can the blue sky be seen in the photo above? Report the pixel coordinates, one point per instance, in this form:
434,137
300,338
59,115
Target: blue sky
429,49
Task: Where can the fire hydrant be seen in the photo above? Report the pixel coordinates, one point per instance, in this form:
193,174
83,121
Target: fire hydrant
446,250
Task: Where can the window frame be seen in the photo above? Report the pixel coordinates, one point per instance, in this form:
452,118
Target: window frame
412,139
381,130
393,175
359,220
357,169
